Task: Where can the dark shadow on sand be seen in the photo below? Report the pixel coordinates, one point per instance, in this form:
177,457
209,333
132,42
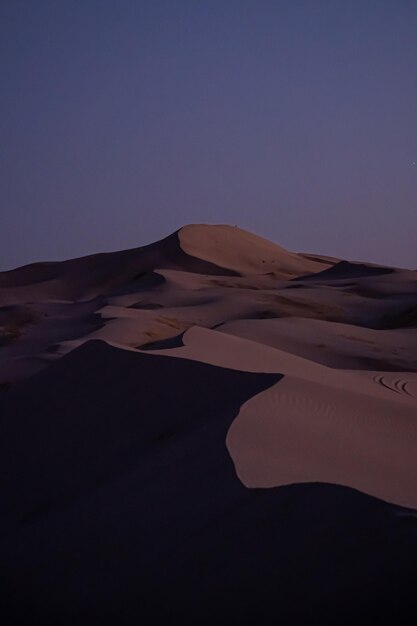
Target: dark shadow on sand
120,505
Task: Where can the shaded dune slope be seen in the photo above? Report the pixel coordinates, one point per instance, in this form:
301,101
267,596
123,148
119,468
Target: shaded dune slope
90,276
122,506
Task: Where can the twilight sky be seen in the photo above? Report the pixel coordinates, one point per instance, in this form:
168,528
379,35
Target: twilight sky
122,120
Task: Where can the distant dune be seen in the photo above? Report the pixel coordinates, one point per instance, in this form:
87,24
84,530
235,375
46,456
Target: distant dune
208,430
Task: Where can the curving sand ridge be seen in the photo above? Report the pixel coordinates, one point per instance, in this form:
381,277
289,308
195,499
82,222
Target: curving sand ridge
317,424
216,348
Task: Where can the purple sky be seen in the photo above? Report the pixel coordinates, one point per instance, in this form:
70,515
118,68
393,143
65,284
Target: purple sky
121,120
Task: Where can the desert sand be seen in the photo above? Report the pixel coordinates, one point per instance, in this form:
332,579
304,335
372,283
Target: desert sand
208,429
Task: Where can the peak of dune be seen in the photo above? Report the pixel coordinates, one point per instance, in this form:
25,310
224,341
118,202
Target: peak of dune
243,252
220,250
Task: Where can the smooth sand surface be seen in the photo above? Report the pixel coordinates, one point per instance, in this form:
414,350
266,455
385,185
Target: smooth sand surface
301,431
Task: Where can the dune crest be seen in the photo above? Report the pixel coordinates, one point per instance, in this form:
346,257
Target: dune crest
318,424
243,252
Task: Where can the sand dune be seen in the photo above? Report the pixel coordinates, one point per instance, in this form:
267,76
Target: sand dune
209,429
318,424
334,344
122,504
213,250
243,252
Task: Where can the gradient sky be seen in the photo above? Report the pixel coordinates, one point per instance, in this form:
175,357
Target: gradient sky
122,120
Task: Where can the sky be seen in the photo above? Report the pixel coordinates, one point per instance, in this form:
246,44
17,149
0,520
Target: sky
122,120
